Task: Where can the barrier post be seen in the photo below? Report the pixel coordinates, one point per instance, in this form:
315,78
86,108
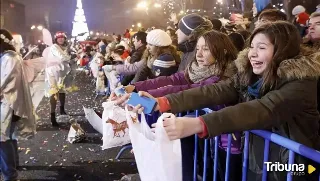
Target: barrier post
204,176
216,158
245,156
265,159
291,161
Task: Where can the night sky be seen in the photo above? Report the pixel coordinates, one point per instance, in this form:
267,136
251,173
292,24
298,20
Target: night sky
102,15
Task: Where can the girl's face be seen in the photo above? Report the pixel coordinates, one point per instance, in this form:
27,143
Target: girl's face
152,49
260,53
203,54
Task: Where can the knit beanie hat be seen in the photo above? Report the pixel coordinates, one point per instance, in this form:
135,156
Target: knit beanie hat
298,9
189,23
159,38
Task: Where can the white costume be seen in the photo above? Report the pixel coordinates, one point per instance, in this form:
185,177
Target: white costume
95,63
57,69
15,97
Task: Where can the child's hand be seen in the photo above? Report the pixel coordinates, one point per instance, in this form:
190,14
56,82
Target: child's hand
180,127
129,88
139,109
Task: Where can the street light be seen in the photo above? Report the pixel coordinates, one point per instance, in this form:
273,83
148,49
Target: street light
157,5
132,26
40,27
139,25
131,29
91,32
97,34
33,27
142,4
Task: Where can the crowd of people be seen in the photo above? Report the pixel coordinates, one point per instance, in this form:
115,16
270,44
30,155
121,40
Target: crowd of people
264,77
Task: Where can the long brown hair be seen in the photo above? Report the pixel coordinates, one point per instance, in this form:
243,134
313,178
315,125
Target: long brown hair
221,48
286,40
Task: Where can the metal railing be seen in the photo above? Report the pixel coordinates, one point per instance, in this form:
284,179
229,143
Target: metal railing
292,146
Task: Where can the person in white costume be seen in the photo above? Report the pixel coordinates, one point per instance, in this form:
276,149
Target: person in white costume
17,114
57,69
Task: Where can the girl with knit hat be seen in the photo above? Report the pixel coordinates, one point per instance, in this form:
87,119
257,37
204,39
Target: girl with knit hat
162,60
159,45
191,27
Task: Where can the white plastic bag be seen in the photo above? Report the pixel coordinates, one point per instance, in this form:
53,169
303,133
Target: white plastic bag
156,156
94,119
76,133
115,128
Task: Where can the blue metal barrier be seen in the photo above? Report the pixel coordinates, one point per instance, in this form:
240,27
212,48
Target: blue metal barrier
292,146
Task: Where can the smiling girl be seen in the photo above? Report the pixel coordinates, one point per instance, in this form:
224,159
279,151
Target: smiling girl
213,61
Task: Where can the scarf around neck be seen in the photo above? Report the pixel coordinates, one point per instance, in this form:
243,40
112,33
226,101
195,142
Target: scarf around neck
254,89
197,74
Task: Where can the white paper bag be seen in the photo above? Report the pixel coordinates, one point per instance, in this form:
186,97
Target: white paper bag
94,119
115,128
157,157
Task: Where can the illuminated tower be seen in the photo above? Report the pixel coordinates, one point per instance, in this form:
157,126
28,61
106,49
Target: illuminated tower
79,24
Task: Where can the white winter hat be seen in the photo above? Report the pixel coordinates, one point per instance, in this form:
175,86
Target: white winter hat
158,38
298,9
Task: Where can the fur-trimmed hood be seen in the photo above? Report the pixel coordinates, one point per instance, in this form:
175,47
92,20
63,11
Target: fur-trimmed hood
304,65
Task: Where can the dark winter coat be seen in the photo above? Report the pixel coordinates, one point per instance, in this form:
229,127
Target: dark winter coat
289,110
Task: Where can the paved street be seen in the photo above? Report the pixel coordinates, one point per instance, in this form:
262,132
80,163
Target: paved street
50,157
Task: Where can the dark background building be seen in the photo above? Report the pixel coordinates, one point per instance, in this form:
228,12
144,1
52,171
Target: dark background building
13,17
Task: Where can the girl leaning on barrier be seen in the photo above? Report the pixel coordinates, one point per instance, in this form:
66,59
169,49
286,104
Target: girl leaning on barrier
276,90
